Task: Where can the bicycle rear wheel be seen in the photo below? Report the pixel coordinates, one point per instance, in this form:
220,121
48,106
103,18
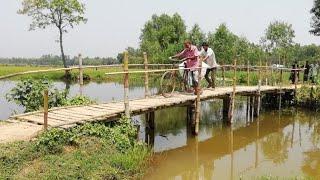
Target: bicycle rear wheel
168,83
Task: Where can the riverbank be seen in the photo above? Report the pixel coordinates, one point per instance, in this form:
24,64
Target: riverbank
98,151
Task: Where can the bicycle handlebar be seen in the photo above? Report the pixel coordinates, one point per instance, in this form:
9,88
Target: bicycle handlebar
177,60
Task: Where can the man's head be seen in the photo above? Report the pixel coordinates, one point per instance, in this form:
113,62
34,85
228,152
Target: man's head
205,46
187,44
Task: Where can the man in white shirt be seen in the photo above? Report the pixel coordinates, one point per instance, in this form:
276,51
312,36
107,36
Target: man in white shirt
209,57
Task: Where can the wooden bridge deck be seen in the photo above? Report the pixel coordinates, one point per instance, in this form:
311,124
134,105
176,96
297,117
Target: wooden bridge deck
71,116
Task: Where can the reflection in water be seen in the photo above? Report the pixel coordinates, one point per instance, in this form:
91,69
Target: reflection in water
275,147
282,144
311,164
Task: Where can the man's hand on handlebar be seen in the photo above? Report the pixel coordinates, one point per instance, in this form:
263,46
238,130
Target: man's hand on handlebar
175,59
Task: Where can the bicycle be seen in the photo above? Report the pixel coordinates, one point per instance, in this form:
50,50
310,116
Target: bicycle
176,79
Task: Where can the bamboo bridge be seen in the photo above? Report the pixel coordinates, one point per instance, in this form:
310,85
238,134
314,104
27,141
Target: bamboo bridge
66,117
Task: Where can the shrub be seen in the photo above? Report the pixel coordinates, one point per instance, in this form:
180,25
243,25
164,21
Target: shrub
122,135
52,141
309,97
29,93
79,100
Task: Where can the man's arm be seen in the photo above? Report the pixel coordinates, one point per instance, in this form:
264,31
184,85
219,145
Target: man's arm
179,54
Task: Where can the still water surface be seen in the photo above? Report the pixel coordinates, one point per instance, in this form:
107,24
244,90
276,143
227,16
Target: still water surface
285,143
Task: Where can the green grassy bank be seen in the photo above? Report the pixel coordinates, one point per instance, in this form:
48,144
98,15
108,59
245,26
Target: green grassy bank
91,151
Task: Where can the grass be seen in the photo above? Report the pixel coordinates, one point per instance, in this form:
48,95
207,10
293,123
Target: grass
92,151
99,74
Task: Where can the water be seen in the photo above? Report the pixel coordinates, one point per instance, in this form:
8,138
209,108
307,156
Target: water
100,92
285,144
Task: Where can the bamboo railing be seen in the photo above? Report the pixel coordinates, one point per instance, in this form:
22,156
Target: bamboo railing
249,69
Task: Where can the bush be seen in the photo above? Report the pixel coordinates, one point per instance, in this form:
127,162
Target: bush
122,135
52,141
309,97
79,100
29,93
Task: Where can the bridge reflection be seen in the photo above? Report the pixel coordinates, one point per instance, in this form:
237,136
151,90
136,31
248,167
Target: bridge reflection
244,146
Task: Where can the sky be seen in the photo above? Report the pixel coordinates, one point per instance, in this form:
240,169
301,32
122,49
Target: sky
114,25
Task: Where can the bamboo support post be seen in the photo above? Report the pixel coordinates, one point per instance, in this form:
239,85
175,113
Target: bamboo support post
280,88
149,129
266,73
198,103
146,76
126,84
257,101
226,107
260,75
45,109
223,76
248,73
231,110
281,79
295,79
80,70
273,79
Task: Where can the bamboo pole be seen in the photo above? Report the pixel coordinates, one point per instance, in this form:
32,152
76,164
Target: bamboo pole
248,73
223,76
198,102
280,88
266,73
45,109
273,79
146,78
295,79
80,70
258,95
260,75
126,84
231,110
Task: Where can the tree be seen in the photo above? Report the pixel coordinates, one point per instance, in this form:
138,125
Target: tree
315,21
278,39
135,56
223,42
162,37
62,14
309,53
196,35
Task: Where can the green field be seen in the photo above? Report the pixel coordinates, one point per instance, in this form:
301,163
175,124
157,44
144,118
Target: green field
98,74
93,73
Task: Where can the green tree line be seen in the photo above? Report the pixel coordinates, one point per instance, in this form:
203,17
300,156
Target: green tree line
163,36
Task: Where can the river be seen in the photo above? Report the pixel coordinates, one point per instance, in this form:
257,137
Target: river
282,143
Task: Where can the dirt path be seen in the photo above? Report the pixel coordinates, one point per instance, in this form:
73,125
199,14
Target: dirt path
18,131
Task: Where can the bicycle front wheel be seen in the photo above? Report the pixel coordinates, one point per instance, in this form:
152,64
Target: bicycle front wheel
168,83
